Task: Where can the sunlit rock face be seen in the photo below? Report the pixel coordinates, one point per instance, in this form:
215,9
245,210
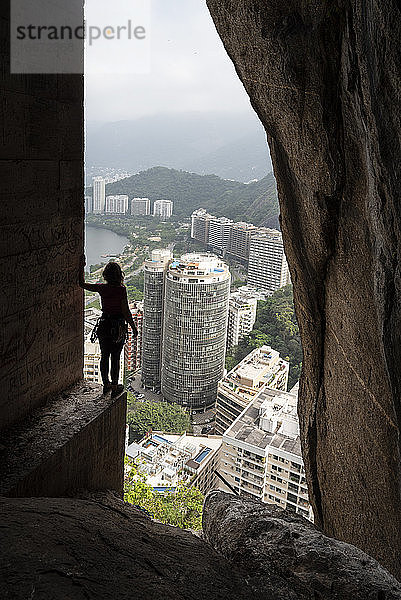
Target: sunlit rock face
287,557
324,78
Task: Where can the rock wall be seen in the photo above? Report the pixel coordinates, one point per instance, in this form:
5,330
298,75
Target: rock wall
324,78
41,235
286,557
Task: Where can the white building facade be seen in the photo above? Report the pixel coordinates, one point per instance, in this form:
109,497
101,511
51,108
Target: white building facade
163,209
261,456
140,207
194,329
200,220
267,266
219,234
261,368
133,346
99,195
241,315
240,236
117,205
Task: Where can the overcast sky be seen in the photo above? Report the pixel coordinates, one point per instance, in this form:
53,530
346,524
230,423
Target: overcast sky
189,68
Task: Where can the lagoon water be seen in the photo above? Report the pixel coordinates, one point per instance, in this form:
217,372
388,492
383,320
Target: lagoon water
102,241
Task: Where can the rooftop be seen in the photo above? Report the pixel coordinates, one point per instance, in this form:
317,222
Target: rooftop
247,293
203,264
255,370
255,426
168,459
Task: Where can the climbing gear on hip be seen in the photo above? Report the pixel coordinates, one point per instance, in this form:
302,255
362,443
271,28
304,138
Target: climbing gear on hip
110,327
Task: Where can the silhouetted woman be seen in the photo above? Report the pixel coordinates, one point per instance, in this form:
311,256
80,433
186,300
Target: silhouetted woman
111,329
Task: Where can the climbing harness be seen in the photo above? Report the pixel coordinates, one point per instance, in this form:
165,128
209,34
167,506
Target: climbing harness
111,327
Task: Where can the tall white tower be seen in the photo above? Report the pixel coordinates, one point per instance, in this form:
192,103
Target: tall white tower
99,195
197,291
267,267
154,275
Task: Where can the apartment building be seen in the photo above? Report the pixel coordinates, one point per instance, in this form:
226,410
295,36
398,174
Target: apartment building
140,207
261,368
116,205
195,317
200,225
219,234
267,266
154,278
133,346
163,209
240,236
99,195
260,456
241,315
92,362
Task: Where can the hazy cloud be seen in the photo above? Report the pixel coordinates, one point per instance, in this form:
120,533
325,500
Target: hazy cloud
189,71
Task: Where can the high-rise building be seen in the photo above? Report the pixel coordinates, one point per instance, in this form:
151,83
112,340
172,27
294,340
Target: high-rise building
163,209
267,267
154,272
200,226
194,329
117,205
219,233
133,346
88,204
240,235
241,315
99,195
140,207
260,456
261,368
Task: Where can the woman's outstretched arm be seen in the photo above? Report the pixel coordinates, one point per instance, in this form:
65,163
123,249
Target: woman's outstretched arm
91,287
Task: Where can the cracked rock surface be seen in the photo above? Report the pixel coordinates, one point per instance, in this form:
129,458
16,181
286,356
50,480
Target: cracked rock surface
285,555
103,549
324,78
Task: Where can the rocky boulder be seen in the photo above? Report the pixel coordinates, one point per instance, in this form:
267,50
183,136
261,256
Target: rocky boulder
103,549
287,557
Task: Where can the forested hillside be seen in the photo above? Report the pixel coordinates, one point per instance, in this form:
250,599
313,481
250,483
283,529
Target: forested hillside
255,202
276,326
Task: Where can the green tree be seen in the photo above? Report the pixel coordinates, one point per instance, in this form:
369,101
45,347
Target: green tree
160,416
180,508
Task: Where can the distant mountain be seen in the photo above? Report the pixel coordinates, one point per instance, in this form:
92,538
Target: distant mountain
254,202
232,146
244,159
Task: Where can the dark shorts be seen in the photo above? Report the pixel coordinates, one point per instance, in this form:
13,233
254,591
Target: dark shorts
112,330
